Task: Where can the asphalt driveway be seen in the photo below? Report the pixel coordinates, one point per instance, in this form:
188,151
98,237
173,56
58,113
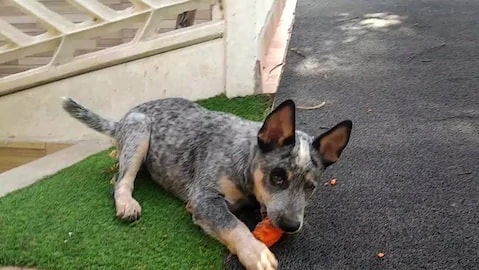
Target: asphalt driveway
407,74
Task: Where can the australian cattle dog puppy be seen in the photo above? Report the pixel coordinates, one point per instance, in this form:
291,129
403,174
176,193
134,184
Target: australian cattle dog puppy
216,161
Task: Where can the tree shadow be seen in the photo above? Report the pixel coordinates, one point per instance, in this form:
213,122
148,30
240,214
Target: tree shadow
322,57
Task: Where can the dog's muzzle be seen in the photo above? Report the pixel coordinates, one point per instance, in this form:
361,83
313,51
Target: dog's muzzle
289,225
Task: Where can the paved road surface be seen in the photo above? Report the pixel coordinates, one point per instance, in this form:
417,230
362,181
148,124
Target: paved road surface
407,74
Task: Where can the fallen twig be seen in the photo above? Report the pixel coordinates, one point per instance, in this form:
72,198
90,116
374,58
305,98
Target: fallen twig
459,79
312,107
426,50
275,67
347,19
298,52
461,117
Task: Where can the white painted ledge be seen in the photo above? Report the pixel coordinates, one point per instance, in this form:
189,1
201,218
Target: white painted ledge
35,171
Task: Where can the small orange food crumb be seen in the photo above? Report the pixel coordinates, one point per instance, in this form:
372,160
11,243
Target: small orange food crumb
267,233
380,255
333,182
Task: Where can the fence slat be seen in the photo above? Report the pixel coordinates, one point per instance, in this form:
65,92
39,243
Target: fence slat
139,4
48,18
30,49
13,34
170,3
95,9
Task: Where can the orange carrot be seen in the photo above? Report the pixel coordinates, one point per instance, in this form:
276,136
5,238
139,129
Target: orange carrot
267,233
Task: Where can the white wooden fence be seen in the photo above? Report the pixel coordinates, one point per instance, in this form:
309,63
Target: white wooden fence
183,48
63,37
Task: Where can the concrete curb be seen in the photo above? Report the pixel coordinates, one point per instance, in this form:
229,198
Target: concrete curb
34,171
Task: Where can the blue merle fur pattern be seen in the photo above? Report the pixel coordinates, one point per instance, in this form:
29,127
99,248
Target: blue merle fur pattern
217,162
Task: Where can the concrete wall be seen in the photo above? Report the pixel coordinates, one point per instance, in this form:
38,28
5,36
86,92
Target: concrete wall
250,26
231,64
36,114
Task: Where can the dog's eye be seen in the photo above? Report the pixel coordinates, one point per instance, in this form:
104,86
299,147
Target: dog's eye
278,177
309,186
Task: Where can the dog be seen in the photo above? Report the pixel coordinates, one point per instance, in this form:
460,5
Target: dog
216,162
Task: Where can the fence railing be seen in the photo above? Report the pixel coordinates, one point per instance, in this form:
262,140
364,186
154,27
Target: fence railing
64,38
149,27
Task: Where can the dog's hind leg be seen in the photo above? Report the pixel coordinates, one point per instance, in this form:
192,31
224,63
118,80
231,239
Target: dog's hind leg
133,141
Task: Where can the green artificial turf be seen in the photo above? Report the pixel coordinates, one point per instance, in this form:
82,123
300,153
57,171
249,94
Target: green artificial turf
67,220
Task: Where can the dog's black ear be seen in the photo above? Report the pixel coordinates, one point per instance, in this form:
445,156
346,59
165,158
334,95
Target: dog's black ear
332,143
278,128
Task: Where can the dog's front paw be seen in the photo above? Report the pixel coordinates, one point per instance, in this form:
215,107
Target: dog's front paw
127,208
255,255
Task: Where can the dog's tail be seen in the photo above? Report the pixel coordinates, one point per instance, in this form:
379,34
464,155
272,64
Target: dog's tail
88,117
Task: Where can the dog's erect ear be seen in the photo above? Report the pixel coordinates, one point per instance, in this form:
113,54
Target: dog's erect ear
331,143
278,128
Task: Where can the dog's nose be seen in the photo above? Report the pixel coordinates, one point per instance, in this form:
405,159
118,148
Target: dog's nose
289,225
